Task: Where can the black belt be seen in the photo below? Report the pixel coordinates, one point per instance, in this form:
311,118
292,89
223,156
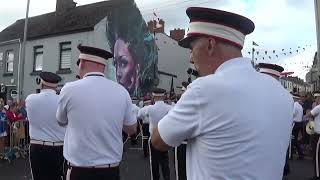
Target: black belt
95,75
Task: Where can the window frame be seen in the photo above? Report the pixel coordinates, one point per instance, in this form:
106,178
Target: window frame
35,53
61,50
7,62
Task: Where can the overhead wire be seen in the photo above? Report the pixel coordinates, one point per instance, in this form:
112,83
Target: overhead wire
170,7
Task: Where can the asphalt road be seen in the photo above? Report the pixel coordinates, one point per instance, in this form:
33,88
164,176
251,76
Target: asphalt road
135,167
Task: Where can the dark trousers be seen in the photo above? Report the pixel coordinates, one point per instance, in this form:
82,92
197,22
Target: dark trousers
297,128
286,169
180,162
46,162
124,136
145,139
26,124
134,137
315,143
79,173
305,136
157,159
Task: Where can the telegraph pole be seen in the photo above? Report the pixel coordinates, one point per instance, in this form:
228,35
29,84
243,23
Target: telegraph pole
22,55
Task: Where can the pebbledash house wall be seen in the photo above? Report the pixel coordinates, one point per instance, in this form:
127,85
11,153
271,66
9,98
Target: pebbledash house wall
172,59
51,55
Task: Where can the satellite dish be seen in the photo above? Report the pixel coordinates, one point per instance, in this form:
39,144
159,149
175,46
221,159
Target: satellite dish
38,80
14,94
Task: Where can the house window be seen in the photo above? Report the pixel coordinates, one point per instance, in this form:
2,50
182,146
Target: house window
9,61
1,59
65,55
38,58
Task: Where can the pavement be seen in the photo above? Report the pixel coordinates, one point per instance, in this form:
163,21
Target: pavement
135,167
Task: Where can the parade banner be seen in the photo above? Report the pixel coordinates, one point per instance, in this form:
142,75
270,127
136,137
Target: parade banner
134,48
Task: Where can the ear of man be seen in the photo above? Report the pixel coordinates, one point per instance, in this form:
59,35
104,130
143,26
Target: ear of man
211,46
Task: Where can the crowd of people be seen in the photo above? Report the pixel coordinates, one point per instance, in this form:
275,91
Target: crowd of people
11,112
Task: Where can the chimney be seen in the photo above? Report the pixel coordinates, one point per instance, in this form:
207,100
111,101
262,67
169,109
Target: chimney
152,26
63,6
177,34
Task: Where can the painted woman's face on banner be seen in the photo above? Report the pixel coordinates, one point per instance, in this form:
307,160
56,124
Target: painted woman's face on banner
126,68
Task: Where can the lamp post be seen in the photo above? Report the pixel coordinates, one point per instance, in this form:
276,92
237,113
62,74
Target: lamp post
22,55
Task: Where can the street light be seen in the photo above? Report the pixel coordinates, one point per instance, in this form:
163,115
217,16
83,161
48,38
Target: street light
22,55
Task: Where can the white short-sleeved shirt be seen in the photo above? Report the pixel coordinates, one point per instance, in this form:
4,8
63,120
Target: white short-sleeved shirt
140,104
41,110
316,114
233,120
143,114
135,110
156,113
297,112
95,110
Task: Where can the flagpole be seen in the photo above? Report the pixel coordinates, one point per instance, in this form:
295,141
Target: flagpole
155,45
317,16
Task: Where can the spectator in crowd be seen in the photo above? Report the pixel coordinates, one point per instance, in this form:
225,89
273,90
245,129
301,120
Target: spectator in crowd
22,109
1,102
13,114
9,102
3,128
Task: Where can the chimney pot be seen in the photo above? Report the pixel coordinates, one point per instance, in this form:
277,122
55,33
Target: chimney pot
63,6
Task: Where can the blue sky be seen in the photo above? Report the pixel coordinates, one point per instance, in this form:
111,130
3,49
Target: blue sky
280,24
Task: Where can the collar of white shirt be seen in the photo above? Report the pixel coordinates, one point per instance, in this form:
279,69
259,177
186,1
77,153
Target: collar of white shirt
48,91
159,102
236,62
94,73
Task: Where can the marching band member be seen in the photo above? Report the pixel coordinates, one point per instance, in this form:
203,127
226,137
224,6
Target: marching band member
275,71
144,116
298,125
180,151
158,158
315,138
46,149
94,110
231,115
135,111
